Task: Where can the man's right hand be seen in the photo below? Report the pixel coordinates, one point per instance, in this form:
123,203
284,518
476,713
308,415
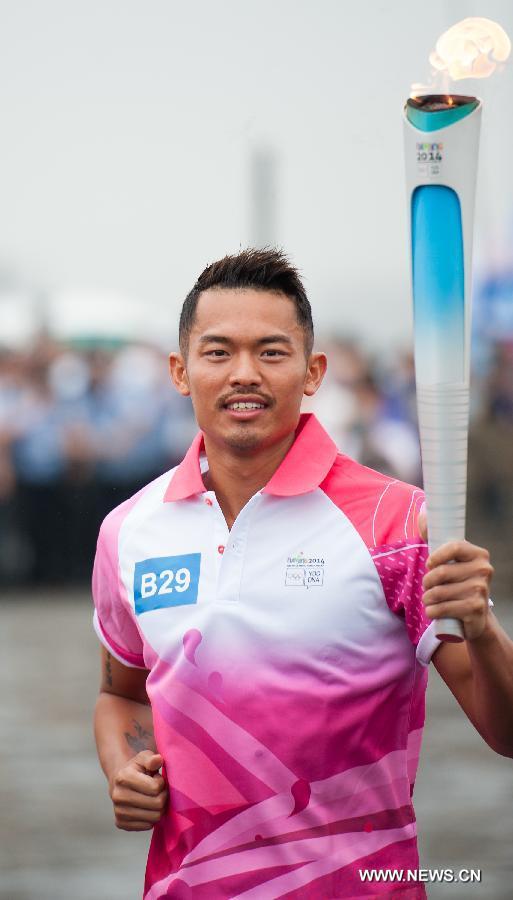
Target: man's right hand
138,792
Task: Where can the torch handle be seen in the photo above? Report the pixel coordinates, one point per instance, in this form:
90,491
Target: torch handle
443,424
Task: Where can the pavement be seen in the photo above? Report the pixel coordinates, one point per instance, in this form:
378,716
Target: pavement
57,837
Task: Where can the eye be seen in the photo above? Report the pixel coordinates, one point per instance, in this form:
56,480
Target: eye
217,352
273,352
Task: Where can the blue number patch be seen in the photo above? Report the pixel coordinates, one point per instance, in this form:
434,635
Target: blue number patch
166,581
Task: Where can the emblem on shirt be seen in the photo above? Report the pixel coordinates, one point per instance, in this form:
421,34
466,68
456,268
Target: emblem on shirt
304,571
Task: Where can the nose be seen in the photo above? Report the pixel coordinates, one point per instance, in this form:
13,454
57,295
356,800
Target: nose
244,370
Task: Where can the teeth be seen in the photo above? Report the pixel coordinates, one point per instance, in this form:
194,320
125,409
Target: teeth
245,406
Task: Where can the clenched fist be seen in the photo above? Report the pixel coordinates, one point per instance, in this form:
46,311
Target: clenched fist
138,792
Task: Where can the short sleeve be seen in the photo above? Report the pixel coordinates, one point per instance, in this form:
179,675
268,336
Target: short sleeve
401,568
113,618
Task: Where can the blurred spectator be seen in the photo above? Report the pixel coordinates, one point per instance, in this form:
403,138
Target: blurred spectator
490,483
370,423
39,464
11,550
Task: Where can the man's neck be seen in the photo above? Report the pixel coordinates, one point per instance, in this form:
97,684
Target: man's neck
236,477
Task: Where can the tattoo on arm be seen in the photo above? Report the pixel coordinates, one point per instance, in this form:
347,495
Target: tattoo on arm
108,670
142,740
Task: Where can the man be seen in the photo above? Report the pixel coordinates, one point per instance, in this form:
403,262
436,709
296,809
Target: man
267,597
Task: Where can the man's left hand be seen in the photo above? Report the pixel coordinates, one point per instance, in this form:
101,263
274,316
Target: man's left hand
457,583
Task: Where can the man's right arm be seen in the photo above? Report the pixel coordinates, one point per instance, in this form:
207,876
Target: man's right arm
126,747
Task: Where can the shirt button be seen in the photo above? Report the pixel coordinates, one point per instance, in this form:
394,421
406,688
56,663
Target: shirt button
208,501
220,549
237,545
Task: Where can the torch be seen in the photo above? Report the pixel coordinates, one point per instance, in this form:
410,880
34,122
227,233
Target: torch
441,147
441,142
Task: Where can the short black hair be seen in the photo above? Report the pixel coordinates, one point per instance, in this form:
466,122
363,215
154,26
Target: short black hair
268,270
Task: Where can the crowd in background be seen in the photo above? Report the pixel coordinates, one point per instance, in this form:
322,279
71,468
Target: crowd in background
83,428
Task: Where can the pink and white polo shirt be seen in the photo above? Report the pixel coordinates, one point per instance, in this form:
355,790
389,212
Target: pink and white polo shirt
287,670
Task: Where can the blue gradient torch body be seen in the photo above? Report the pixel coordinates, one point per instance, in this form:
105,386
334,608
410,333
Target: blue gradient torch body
441,147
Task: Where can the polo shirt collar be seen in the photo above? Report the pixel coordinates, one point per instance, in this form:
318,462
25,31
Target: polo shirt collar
304,467
187,480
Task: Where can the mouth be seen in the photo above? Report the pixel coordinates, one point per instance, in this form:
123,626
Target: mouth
243,409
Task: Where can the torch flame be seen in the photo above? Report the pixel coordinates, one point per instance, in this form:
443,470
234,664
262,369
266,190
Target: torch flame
471,49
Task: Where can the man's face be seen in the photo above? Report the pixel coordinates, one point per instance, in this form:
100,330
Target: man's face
246,369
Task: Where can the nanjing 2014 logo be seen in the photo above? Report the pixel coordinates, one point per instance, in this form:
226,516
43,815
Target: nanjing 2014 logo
304,571
430,152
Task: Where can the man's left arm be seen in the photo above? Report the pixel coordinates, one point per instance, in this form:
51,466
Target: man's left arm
479,672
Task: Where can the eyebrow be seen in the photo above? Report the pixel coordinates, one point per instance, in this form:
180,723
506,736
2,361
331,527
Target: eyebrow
268,339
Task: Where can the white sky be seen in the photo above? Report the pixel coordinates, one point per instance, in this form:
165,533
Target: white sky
127,127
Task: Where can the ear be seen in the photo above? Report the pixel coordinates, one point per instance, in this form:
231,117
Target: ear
179,374
317,365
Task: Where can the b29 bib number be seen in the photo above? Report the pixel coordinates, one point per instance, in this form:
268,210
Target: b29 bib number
162,583
166,581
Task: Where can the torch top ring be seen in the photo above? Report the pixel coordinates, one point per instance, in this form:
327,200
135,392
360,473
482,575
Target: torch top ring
430,112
